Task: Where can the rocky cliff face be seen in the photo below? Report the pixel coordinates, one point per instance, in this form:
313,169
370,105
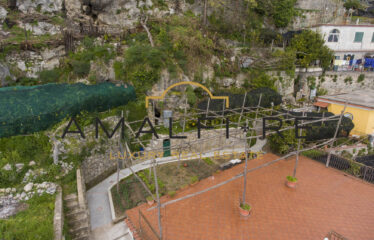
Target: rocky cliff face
319,12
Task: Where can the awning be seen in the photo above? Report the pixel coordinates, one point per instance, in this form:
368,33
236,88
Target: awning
321,104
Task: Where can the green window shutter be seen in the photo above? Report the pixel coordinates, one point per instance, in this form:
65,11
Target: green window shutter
359,36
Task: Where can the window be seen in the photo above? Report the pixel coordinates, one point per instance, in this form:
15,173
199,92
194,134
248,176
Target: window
359,36
334,35
372,38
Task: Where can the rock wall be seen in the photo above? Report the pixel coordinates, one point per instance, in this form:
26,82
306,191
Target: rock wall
338,82
318,11
30,63
210,141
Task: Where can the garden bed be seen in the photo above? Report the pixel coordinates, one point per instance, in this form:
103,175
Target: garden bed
171,177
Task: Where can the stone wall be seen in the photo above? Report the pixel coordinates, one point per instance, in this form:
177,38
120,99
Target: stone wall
58,218
333,82
338,82
210,141
82,199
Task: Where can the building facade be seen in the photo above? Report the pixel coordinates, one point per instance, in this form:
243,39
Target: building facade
348,40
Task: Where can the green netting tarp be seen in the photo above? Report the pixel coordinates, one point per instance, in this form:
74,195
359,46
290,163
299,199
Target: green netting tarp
24,110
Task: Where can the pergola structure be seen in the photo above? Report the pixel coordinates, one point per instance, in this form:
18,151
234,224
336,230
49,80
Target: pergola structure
245,117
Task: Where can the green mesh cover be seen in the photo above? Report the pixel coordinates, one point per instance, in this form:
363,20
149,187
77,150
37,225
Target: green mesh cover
24,110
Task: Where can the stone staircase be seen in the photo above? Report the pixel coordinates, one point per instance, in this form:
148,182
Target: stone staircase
76,218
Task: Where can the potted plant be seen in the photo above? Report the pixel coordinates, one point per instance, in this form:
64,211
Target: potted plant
291,182
150,200
245,209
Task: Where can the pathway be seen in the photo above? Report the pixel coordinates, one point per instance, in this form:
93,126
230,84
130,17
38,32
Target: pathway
98,200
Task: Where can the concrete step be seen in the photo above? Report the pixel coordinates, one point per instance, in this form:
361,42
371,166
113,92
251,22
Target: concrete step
72,204
125,236
82,217
79,229
74,212
71,197
82,236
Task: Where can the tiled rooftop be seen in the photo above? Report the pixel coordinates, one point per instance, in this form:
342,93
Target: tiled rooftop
325,199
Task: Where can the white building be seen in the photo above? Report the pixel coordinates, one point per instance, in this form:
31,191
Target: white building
347,40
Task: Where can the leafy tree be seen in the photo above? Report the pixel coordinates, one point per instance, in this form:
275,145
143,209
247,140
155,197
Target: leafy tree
286,60
355,4
309,47
283,145
284,12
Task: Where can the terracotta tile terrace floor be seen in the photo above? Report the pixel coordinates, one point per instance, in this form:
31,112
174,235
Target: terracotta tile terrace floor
324,200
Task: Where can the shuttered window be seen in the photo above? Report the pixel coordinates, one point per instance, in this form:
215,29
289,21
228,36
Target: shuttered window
359,36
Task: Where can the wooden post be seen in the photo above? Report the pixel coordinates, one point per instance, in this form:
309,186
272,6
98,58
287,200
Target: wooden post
119,158
184,116
207,110
241,112
255,121
335,135
246,161
158,198
223,117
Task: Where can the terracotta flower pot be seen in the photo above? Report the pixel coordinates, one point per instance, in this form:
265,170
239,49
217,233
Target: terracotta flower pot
291,184
244,213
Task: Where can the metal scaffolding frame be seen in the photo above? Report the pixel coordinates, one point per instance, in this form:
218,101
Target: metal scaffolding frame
243,113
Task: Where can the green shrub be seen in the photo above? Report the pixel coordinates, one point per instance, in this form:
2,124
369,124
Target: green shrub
48,76
313,153
361,78
172,193
81,68
194,179
321,92
311,82
260,79
283,145
208,161
150,198
191,96
348,80
118,70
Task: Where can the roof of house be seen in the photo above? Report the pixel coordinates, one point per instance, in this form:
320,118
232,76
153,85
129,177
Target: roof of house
360,98
344,25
